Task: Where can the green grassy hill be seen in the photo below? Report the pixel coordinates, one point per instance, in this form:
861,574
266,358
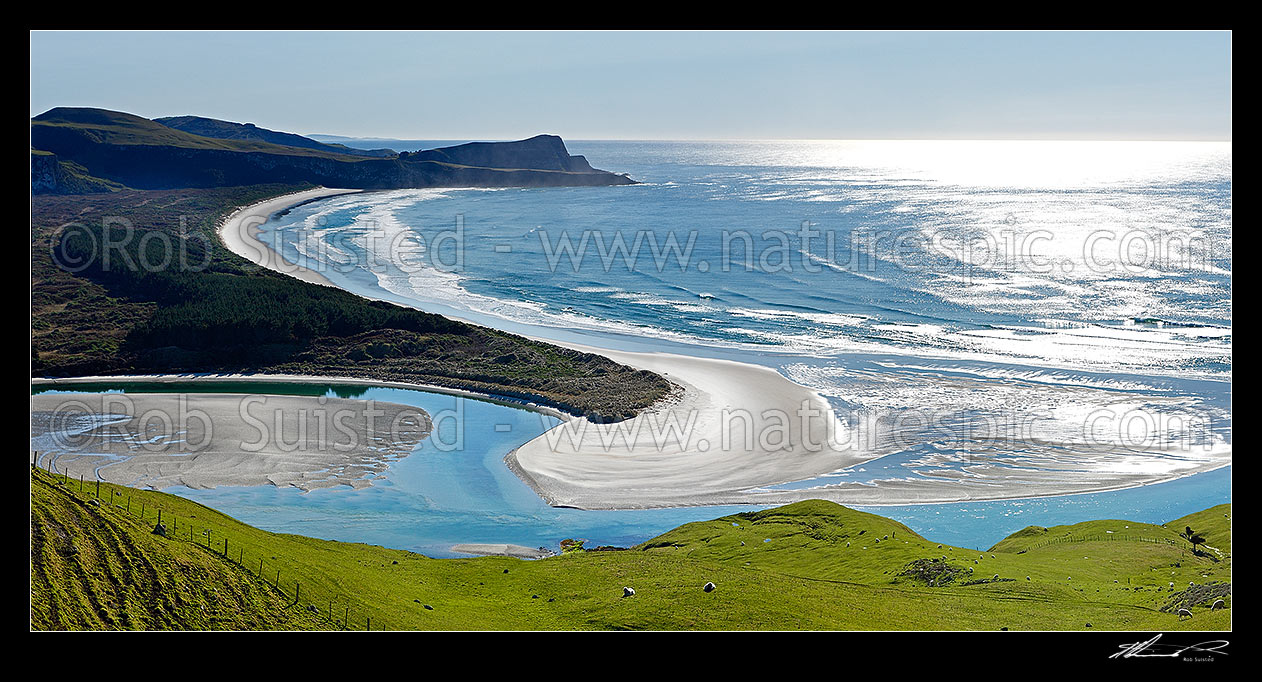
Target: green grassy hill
1213,523
103,126
95,568
809,565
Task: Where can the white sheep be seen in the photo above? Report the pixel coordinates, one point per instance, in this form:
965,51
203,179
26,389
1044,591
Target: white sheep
628,592
1218,604
1184,613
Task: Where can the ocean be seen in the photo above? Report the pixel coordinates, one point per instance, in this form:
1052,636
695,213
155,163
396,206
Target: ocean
1027,300
1026,303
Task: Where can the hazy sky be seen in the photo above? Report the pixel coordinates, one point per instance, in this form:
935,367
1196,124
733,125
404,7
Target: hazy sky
659,85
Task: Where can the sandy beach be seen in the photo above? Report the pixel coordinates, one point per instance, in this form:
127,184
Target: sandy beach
517,551
731,434
206,440
239,232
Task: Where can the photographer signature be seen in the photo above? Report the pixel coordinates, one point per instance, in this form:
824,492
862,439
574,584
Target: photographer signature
1151,649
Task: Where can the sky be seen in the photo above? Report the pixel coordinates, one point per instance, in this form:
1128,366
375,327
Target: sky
656,85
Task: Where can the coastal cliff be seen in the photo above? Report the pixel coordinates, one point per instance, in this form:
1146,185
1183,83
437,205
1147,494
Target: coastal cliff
113,149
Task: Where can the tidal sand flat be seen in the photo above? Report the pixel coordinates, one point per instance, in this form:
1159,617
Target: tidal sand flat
517,551
731,427
206,440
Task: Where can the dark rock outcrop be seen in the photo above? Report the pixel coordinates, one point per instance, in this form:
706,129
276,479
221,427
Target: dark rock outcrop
541,152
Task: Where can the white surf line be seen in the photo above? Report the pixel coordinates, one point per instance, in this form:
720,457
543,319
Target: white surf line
652,465
644,463
239,232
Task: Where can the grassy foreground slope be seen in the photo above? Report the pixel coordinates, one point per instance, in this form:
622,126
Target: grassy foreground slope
91,569
809,565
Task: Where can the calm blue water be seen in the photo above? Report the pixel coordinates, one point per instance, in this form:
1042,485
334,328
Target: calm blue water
1028,286
435,498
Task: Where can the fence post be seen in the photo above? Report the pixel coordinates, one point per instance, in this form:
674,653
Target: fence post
98,488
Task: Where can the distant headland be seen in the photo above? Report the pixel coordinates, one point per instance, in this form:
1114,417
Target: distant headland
84,150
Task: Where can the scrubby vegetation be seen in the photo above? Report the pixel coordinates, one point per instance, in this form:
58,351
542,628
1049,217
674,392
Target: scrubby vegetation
199,308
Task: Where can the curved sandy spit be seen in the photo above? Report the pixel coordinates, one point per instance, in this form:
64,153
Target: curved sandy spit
643,463
239,232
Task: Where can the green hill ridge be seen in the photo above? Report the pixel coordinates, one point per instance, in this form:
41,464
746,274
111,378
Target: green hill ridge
111,149
808,565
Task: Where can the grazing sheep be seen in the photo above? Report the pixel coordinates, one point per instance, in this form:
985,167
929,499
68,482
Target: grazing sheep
1218,604
939,546
628,592
1027,577
1184,613
996,577
708,587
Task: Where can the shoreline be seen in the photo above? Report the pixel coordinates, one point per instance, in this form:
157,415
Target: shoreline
752,498
664,472
240,230
223,441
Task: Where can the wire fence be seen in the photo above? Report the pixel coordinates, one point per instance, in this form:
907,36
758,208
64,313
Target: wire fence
211,534
1105,537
